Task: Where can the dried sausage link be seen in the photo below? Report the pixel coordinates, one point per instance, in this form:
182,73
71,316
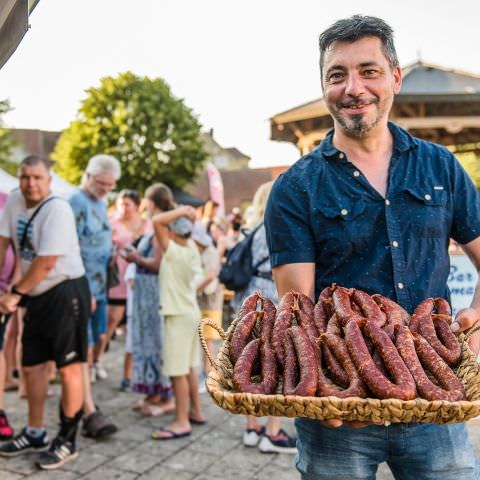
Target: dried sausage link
426,388
242,334
369,307
445,344
432,362
424,310
343,307
307,363
356,387
269,368
268,320
282,322
396,315
242,371
404,386
249,304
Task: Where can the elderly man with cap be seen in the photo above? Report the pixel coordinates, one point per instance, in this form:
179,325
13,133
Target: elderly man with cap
209,291
180,275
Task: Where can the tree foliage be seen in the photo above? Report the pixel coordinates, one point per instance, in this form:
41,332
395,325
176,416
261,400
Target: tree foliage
471,163
138,120
6,142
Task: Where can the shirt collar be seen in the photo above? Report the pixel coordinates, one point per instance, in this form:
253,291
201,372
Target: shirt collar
402,142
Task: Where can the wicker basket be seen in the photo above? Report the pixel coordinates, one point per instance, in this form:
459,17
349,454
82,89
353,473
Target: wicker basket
219,386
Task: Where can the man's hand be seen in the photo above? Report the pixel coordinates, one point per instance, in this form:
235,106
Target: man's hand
9,302
93,304
465,319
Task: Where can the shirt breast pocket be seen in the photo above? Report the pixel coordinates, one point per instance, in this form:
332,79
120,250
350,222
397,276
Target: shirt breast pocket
426,212
338,227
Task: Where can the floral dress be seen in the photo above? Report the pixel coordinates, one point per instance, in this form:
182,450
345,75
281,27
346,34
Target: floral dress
148,330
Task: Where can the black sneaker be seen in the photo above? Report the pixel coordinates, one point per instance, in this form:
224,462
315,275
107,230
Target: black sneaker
96,425
281,443
22,443
60,452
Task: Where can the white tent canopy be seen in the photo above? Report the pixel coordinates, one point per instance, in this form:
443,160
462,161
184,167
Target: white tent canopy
61,187
7,182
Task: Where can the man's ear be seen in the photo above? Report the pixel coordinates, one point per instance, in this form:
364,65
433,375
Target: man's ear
397,79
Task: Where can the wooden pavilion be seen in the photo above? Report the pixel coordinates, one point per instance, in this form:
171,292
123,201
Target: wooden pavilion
438,104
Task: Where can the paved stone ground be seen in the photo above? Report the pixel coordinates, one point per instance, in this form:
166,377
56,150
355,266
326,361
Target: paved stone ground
213,452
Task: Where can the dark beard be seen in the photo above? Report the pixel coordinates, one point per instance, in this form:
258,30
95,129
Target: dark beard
357,127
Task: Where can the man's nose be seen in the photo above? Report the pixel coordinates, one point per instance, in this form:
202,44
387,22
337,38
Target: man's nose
354,86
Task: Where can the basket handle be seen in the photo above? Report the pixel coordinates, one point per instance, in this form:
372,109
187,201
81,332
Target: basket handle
210,323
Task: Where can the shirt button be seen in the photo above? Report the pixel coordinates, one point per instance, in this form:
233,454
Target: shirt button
395,244
427,197
341,156
400,285
343,211
387,202
356,173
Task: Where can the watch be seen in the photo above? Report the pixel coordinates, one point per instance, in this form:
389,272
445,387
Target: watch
16,292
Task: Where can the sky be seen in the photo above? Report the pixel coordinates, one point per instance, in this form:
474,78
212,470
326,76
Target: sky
235,63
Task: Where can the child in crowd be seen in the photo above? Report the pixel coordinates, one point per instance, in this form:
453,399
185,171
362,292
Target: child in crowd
180,274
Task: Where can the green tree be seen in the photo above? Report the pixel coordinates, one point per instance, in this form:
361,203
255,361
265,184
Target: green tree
138,120
471,163
6,141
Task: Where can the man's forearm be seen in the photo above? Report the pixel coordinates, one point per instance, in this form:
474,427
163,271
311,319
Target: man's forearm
37,272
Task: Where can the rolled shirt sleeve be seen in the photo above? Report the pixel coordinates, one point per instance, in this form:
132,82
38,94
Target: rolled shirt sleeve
287,224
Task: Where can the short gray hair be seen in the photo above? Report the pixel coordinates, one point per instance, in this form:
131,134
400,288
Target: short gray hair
104,164
355,28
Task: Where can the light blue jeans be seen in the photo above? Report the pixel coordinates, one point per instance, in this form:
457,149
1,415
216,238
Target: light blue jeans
412,451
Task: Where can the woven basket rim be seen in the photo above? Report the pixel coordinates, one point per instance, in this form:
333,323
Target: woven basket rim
239,402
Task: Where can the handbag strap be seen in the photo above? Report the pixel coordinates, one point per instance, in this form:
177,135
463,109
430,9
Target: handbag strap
30,220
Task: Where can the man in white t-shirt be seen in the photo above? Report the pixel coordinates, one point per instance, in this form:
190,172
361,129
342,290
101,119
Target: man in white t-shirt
55,292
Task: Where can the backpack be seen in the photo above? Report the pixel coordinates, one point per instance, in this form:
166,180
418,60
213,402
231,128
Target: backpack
237,271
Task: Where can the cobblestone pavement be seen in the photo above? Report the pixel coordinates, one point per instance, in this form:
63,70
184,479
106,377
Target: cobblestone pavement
213,452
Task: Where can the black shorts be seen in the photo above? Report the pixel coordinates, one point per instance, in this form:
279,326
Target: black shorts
55,325
3,328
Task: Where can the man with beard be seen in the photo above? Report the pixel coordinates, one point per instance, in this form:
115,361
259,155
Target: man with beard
373,208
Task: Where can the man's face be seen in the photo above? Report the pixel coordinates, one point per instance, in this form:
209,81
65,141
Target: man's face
359,85
100,185
34,183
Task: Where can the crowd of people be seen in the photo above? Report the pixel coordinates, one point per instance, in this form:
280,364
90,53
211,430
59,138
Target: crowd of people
77,272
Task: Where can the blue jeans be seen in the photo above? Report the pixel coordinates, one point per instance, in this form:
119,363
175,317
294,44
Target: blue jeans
412,451
97,323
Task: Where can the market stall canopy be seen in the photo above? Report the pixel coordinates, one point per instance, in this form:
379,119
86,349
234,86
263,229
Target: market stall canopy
436,103
61,187
13,25
7,182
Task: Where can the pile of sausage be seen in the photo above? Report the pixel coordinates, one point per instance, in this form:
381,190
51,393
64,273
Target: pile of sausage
350,344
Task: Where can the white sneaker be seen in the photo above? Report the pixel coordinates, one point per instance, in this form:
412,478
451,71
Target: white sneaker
284,444
251,437
100,372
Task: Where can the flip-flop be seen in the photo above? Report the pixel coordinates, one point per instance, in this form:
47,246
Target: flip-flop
194,421
149,410
173,435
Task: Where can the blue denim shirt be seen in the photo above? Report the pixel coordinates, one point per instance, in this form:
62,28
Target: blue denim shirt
323,210
95,237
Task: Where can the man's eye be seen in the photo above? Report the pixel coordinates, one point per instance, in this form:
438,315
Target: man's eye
370,73
335,76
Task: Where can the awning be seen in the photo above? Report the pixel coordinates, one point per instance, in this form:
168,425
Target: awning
13,25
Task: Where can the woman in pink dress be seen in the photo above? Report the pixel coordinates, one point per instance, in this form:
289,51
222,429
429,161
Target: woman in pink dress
127,226
6,272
